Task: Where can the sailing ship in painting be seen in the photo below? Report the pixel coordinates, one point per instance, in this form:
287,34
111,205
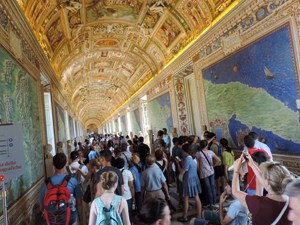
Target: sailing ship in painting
268,73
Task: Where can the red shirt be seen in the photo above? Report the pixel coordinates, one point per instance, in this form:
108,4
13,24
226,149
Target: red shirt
251,178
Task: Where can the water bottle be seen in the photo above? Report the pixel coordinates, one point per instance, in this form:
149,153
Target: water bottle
72,201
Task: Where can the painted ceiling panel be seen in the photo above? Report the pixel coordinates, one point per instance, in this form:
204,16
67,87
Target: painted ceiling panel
104,50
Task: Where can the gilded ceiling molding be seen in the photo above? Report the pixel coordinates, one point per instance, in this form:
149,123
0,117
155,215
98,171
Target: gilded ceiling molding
161,86
147,34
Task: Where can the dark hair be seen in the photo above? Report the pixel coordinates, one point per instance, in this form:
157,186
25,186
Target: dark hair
129,142
253,135
224,143
187,148
119,163
59,161
152,211
191,139
74,155
175,140
141,139
181,140
106,154
203,144
259,157
160,133
211,135
249,141
159,155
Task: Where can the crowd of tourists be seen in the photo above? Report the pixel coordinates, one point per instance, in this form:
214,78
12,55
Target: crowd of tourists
113,179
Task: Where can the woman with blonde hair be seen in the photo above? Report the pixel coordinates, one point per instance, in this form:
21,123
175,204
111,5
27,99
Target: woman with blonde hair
108,208
272,208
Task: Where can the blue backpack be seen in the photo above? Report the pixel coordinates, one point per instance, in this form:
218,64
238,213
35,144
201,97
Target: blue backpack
108,215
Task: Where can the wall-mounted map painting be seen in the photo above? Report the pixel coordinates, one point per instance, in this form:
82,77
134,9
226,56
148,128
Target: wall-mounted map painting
19,105
135,119
161,113
60,124
116,125
71,126
123,125
256,89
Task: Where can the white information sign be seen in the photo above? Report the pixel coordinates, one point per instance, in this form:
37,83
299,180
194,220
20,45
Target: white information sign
12,157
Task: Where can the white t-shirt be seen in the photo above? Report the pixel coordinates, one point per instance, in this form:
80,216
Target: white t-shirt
127,176
77,165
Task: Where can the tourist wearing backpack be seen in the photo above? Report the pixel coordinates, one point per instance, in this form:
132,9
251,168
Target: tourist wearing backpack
108,208
57,194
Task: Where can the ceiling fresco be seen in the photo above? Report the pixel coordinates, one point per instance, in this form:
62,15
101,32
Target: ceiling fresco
103,51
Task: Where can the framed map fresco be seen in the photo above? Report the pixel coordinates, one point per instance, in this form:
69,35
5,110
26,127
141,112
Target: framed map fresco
123,125
71,126
161,113
116,125
256,89
135,119
19,105
60,124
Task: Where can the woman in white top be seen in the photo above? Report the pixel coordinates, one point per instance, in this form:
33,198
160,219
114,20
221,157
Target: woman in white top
207,159
114,204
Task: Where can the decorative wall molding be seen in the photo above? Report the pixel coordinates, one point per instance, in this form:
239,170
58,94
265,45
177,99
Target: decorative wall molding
161,86
21,210
181,106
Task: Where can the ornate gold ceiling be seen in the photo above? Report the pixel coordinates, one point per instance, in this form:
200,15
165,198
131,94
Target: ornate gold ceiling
103,51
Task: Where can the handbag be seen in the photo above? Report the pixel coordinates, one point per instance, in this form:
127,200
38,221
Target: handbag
87,197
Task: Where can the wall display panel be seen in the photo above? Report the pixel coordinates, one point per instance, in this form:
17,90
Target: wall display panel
135,119
19,105
60,124
71,126
161,113
123,125
256,89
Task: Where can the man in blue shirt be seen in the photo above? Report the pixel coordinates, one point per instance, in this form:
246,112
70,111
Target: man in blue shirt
237,214
167,140
59,163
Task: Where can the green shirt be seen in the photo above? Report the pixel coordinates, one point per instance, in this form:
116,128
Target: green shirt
228,158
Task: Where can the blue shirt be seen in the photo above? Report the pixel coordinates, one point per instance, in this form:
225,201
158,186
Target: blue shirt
238,213
92,155
152,179
57,179
137,181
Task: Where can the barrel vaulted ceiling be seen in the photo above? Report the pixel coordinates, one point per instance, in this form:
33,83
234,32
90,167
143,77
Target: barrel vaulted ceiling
103,51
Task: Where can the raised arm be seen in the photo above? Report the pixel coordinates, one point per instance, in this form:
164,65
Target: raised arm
238,194
124,212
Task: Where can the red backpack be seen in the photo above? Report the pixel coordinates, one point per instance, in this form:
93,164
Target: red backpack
57,210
